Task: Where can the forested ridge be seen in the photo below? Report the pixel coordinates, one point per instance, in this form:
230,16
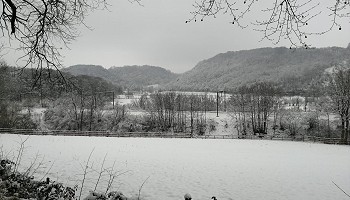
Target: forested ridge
296,70
292,69
133,77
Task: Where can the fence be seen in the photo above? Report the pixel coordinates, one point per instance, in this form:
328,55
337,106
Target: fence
171,135
92,133
282,138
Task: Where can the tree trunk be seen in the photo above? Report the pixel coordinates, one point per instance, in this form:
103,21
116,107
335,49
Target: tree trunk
347,128
342,129
91,112
328,126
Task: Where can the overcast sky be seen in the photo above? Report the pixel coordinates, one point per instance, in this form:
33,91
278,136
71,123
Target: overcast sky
156,34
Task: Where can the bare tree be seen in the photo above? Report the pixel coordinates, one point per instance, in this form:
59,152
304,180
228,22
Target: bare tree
238,106
278,19
44,27
261,99
325,106
339,91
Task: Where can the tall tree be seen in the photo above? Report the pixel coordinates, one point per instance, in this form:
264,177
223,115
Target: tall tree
255,103
238,106
339,91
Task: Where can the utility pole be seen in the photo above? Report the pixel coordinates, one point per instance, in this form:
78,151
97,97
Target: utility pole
113,100
225,101
217,102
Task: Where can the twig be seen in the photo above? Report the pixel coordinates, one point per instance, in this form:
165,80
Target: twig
31,164
101,172
20,153
47,172
41,163
138,198
341,189
85,173
112,175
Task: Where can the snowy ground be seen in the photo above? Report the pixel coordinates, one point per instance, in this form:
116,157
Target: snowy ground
227,169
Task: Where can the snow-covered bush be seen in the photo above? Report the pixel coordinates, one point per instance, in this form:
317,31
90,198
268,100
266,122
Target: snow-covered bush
11,117
16,185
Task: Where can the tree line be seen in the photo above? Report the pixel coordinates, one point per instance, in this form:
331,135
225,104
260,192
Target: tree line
255,106
177,112
20,91
258,109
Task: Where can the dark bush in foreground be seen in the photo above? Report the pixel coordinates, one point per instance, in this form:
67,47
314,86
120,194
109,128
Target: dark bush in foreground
15,185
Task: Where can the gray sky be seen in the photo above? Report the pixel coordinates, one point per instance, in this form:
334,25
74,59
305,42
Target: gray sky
156,34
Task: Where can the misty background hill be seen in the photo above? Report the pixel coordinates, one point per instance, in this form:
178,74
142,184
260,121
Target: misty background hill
292,69
133,77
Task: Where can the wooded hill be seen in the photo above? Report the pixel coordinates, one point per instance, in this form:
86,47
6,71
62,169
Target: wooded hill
133,77
18,85
292,69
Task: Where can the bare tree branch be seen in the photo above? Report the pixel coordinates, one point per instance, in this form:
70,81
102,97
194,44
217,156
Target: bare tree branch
43,27
279,20
138,197
341,189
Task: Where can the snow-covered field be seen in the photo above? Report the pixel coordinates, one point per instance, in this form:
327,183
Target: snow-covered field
227,169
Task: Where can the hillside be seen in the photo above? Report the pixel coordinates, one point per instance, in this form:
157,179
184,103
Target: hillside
89,70
128,76
290,68
16,84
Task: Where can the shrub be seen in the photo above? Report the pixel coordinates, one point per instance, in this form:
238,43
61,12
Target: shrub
17,185
11,117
